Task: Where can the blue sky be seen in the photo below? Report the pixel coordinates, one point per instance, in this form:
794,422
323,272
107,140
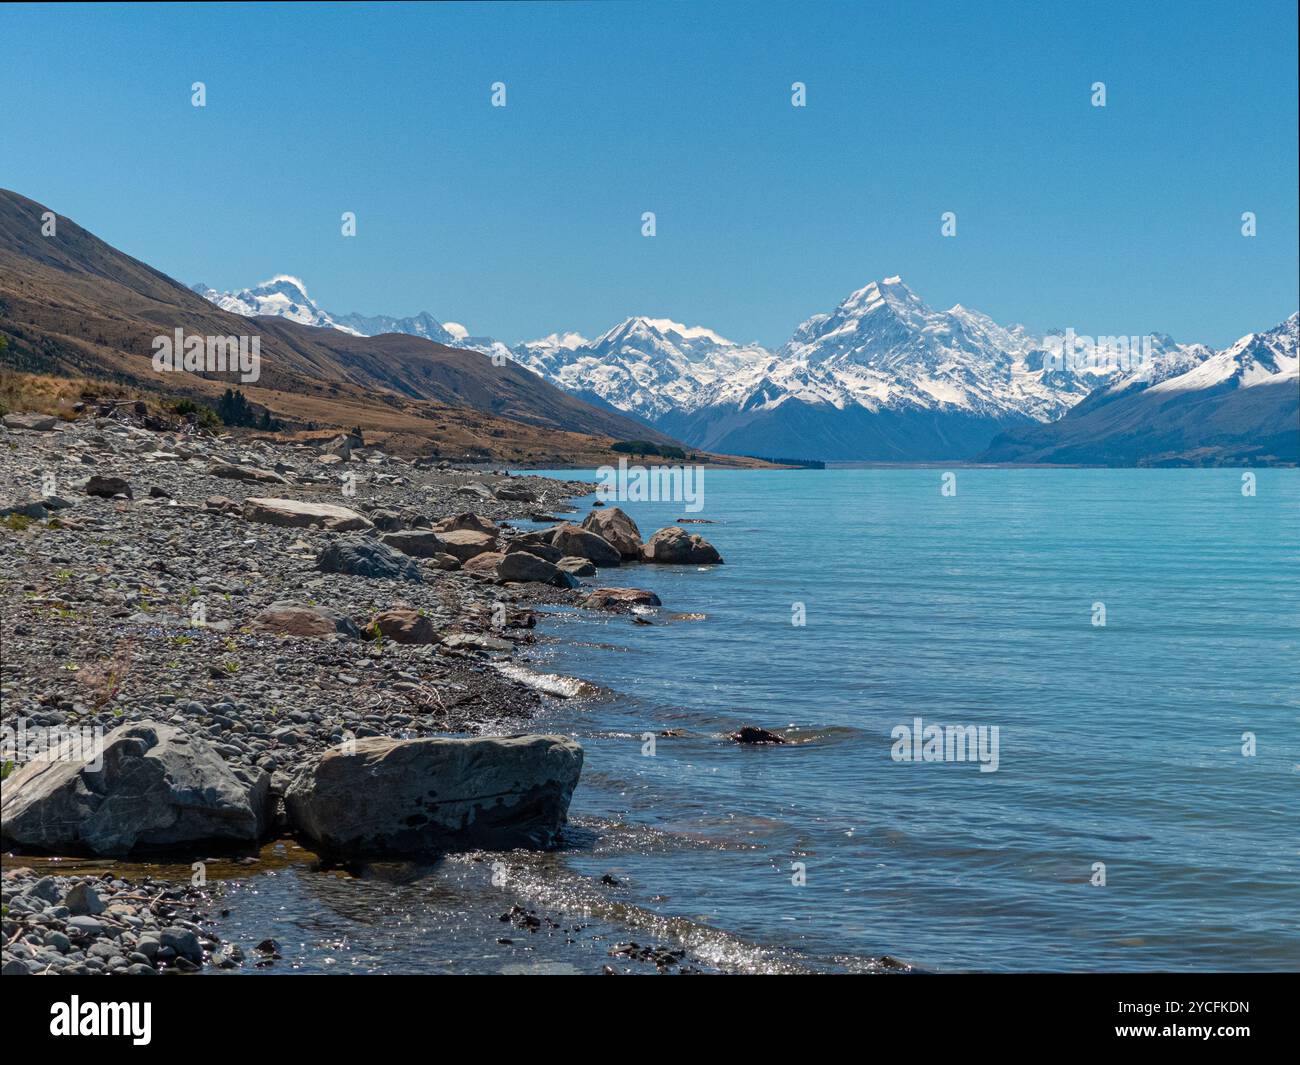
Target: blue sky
522,220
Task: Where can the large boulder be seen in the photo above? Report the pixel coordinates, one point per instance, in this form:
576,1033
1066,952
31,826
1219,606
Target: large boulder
296,514
576,541
417,798
289,618
614,526
363,557
419,543
675,545
156,789
577,567
466,543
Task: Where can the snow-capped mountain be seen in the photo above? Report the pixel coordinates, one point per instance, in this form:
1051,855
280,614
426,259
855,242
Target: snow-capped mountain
286,297
283,296
1239,406
882,376
648,367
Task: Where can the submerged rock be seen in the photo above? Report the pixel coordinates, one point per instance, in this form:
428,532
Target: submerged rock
157,788
754,734
416,798
604,598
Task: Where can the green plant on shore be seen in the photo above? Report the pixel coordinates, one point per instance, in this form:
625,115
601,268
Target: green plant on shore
16,522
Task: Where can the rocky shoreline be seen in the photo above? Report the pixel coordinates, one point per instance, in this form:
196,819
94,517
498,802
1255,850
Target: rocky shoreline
220,612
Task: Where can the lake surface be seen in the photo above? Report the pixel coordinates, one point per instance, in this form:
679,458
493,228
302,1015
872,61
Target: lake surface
1119,744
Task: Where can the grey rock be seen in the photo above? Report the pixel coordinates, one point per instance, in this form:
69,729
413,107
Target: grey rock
31,421
406,798
368,558
83,900
158,787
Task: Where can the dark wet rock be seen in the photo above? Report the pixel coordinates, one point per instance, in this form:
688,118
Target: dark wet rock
616,528
412,798
674,545
754,734
158,787
363,557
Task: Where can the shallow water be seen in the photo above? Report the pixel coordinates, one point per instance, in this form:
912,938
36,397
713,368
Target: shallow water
1119,744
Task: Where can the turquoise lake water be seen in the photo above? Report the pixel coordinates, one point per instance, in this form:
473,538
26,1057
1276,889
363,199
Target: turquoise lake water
1119,744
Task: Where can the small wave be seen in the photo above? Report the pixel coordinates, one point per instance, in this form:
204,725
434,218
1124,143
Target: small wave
556,684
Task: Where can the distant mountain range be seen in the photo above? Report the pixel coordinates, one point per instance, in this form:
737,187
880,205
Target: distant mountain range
884,377
72,305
